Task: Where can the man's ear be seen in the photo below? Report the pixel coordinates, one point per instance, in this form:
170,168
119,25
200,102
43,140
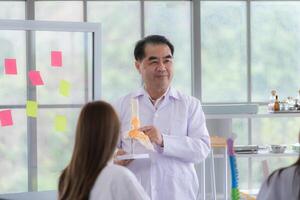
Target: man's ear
138,65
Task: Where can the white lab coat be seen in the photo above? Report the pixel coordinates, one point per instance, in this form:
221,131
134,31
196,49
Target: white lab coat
169,174
117,183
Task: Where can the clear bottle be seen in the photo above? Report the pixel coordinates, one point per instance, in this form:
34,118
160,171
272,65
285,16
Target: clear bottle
291,103
297,107
284,105
276,104
298,102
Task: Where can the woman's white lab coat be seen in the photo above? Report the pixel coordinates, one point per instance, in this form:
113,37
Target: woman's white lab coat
116,183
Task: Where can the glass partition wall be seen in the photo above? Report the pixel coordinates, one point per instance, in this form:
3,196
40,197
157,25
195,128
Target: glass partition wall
52,73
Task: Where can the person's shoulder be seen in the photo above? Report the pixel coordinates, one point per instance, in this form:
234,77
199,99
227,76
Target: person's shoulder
125,185
123,100
290,169
122,175
115,173
133,94
280,183
120,171
183,96
285,171
112,181
282,176
289,172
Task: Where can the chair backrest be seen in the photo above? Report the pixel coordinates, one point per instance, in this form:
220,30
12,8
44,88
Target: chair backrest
218,142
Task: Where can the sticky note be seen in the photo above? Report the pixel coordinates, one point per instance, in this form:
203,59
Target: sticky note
64,88
31,108
6,118
60,123
10,66
35,78
56,58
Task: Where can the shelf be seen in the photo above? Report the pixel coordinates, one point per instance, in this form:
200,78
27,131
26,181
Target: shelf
286,154
258,115
262,113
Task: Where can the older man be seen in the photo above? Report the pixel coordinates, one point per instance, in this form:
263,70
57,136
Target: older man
173,121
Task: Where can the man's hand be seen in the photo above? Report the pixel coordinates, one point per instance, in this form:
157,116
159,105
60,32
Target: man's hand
153,134
121,162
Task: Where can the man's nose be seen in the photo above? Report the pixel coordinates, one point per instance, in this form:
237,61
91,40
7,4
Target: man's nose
161,66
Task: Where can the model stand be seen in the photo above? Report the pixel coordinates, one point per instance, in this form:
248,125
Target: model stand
134,135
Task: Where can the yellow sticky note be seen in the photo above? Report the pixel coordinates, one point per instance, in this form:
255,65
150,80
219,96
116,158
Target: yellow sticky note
64,88
60,123
31,108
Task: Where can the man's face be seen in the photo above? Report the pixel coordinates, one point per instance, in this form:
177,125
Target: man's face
156,68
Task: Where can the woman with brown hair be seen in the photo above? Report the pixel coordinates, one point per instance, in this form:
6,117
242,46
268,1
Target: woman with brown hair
283,183
91,173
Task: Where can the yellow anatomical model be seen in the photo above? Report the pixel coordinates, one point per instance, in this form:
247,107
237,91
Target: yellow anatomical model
134,133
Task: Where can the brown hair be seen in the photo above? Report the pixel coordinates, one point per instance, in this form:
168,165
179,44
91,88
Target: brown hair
96,138
296,174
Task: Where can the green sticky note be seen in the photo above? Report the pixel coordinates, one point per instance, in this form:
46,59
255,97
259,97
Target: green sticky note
64,88
31,108
60,123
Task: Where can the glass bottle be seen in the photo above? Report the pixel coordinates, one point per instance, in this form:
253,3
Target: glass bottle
276,104
297,107
272,100
291,103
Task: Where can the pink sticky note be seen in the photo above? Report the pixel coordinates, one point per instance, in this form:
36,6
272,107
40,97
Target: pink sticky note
35,78
5,118
10,66
56,59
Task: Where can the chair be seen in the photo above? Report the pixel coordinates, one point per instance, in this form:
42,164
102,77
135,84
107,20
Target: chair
218,142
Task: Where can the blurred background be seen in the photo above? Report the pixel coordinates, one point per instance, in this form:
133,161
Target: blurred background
244,50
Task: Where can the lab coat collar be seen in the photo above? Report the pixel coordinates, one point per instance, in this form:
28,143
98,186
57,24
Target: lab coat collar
171,92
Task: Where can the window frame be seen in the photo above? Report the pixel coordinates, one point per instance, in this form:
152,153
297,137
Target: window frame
29,26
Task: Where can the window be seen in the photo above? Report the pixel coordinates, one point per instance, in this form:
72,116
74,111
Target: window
59,10
12,9
273,131
275,49
33,151
223,51
243,57
55,148
160,17
120,33
13,154
13,141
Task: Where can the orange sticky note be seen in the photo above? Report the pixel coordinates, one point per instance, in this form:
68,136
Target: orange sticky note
10,66
56,58
5,118
35,78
